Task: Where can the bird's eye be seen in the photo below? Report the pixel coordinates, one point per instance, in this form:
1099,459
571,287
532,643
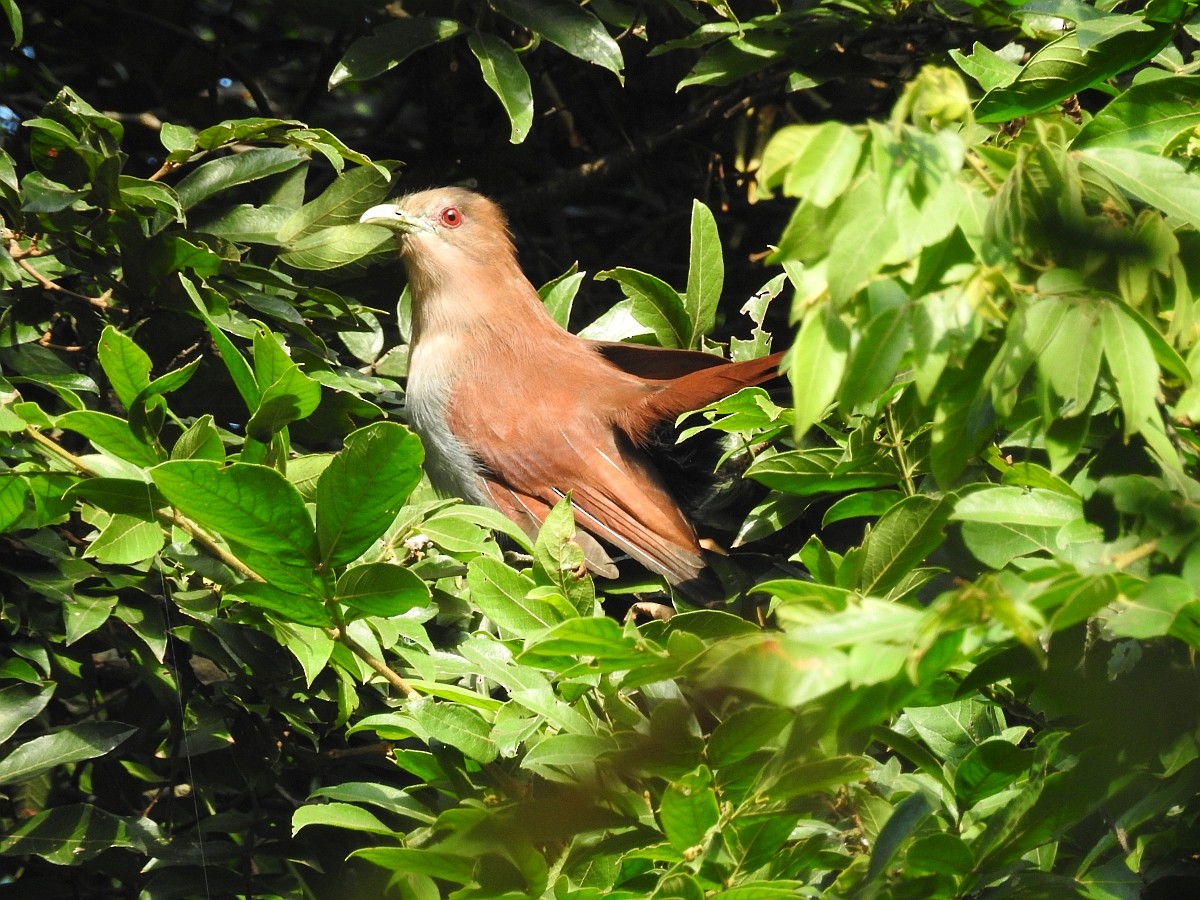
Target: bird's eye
451,217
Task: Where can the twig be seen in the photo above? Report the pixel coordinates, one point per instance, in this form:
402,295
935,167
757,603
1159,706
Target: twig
20,256
1122,560
164,170
910,488
214,548
382,748
981,170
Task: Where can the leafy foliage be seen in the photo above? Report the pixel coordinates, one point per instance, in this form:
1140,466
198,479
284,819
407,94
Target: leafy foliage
247,648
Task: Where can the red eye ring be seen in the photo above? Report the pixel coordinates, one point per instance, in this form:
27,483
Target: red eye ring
450,217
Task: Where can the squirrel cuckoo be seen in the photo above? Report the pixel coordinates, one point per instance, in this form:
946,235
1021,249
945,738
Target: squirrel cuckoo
515,412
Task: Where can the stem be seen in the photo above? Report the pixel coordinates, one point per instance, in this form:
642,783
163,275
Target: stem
1121,560
981,170
897,444
19,256
215,549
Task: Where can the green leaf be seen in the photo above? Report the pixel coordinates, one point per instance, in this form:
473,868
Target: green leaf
864,232
504,74
363,489
381,589
86,740
560,557
1064,67
503,596
218,175
461,529
16,24
864,504
1131,361
904,821
385,796
807,778
293,601
151,195
110,433
249,504
962,420
816,365
41,195
986,66
1161,182
338,245
1070,359
566,752
559,294
235,363
940,853
13,494
290,397
1145,117
76,833
85,615
339,815
249,224
125,363
746,53
784,671
906,534
571,27
333,149
1153,611
689,809
655,304
120,495
804,473
253,128
201,440
19,703
597,643
706,273
813,162
445,866
745,732
339,204
996,544
462,728
988,769
1019,506
391,44
126,540
178,140
876,358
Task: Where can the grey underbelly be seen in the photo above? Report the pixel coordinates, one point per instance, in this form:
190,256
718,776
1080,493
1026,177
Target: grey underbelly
452,469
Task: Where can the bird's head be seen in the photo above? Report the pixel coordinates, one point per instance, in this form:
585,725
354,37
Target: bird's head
444,229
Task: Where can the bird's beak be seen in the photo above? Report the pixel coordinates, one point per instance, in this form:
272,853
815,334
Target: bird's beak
389,215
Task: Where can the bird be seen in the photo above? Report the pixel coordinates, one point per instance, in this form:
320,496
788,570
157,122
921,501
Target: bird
517,413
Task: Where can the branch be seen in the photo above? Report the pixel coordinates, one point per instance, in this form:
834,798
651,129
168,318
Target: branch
214,548
20,255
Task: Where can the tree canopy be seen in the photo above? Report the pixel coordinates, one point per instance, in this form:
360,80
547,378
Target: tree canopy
247,650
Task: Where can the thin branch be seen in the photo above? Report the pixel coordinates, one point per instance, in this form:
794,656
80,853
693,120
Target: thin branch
20,256
1122,560
981,170
897,445
215,549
